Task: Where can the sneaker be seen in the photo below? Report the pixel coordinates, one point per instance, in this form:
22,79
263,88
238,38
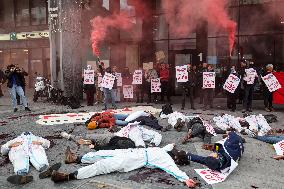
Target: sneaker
49,171
65,135
15,109
69,156
267,109
27,109
19,179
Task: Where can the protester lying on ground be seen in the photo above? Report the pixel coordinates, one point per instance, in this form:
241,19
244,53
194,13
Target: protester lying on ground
149,120
196,128
125,160
136,133
258,123
271,137
23,150
226,150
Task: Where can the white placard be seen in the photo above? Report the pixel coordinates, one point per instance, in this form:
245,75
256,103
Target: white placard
155,85
128,91
148,66
119,79
137,77
181,73
108,81
279,148
231,83
271,82
250,76
209,128
213,177
89,77
209,80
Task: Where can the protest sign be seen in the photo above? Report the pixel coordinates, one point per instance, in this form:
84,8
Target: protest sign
137,77
250,75
160,56
108,81
271,82
279,148
209,80
181,73
128,91
119,79
89,77
209,128
155,85
231,83
148,66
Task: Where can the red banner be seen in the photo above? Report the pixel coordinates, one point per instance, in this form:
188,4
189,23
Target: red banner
278,96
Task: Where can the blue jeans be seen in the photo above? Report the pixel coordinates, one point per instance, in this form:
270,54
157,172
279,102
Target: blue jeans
270,139
13,91
119,119
109,95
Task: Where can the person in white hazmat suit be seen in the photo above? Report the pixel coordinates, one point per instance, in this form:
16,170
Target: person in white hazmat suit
138,134
125,160
23,150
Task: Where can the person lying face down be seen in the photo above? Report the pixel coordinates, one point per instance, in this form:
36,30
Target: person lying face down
133,134
125,160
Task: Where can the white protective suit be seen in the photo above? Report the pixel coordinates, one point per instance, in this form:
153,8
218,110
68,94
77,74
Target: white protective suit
228,121
125,160
173,117
21,155
258,123
139,135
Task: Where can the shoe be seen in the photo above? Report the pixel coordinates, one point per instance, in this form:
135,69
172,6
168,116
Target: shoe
243,110
15,109
105,108
272,109
69,156
233,110
27,109
178,126
204,108
65,135
97,103
49,171
59,177
250,110
114,107
19,179
193,108
267,109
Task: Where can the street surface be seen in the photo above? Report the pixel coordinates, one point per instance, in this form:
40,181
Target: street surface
256,169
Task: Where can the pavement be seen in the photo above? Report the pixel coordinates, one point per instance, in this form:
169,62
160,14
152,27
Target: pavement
256,169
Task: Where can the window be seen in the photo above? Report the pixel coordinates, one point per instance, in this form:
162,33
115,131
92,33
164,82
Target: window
38,12
22,12
6,13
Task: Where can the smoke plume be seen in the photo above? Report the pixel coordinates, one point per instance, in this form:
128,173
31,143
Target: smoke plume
184,15
100,26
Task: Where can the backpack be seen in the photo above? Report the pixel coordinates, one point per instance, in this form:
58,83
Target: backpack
167,109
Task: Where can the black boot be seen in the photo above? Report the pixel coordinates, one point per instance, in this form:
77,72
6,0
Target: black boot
49,171
59,177
19,179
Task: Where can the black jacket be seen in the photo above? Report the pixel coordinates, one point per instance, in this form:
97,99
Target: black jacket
19,78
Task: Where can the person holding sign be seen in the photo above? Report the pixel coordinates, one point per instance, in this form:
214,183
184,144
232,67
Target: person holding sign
89,85
208,87
231,89
188,88
108,84
149,75
249,81
266,93
164,78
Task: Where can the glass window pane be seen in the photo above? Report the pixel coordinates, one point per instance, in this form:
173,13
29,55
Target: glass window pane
22,12
6,13
38,12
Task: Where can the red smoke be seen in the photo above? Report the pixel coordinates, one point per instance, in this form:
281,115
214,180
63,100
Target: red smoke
184,15
100,25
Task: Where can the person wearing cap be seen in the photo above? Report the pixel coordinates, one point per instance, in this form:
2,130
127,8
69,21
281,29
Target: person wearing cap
266,93
249,81
126,160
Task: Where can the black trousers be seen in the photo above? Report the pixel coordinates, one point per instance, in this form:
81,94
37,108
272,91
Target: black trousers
139,94
248,97
190,92
90,95
148,87
268,97
231,100
208,95
165,90
201,95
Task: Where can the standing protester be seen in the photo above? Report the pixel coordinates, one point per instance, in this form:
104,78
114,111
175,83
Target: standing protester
232,97
188,88
126,80
196,86
99,95
15,84
202,69
249,80
266,93
139,89
2,80
164,76
109,94
90,90
241,87
208,93
150,74
23,74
